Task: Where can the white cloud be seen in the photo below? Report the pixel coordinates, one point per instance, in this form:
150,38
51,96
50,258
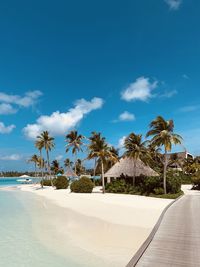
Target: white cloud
126,116
6,129
59,123
27,100
12,157
169,94
59,157
121,142
7,109
141,89
174,4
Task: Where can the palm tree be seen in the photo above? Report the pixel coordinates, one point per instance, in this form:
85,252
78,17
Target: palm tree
79,167
41,165
163,135
101,151
46,142
55,166
74,142
136,149
34,159
39,146
68,163
94,138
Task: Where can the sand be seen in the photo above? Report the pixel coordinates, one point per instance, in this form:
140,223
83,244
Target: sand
110,226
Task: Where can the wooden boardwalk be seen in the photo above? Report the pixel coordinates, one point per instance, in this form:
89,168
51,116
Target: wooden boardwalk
177,240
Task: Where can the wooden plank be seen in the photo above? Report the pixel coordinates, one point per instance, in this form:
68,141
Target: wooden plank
177,241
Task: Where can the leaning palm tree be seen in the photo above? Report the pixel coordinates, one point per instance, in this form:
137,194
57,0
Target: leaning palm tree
75,143
163,135
46,142
101,151
34,159
135,148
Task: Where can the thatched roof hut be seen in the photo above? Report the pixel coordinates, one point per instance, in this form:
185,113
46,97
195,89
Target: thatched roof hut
70,173
127,167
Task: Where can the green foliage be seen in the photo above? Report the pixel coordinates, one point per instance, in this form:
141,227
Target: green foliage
173,183
185,178
46,182
159,191
147,186
83,185
168,196
196,181
61,182
150,184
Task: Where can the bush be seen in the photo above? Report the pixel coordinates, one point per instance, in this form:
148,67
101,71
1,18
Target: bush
150,184
159,191
61,182
45,182
196,181
173,183
185,178
83,185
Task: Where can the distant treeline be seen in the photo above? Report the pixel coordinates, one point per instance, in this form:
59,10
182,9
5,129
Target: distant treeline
38,174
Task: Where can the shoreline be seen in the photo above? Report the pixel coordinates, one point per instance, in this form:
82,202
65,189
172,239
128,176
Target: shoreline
110,226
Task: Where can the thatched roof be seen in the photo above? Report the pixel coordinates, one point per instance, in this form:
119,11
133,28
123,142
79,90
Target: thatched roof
126,167
70,173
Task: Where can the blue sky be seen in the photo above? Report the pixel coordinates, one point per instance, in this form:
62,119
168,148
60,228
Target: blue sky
109,66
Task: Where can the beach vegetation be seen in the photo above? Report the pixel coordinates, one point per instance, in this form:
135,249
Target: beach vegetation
61,182
162,132
101,152
135,148
83,185
35,160
74,143
44,140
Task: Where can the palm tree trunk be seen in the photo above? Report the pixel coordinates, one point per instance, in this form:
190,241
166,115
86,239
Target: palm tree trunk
165,173
95,167
134,174
41,168
75,159
35,169
49,169
102,177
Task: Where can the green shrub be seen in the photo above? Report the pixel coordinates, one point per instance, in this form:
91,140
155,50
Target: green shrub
83,185
185,178
119,186
173,183
46,182
196,181
150,184
159,191
61,182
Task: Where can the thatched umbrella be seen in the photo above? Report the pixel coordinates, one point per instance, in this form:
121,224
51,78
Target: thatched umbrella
70,173
125,167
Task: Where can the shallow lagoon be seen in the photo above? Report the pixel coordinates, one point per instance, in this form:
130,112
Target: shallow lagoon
30,235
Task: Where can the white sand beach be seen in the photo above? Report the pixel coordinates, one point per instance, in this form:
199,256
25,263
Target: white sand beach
110,226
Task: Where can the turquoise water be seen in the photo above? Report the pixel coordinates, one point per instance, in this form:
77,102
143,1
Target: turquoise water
12,181
30,235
